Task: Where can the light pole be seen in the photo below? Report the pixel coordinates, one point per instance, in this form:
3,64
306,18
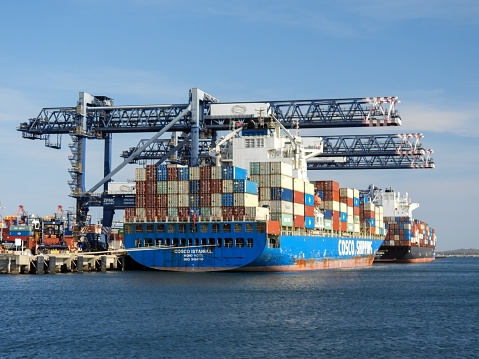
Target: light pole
1,228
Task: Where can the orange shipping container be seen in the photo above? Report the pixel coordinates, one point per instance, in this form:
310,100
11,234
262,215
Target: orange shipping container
273,227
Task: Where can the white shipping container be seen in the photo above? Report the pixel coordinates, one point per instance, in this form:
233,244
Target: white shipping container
281,168
298,185
350,220
298,209
350,212
357,228
255,178
245,200
355,193
140,175
332,205
346,192
264,181
309,188
172,200
121,188
265,204
369,206
261,214
194,173
343,207
246,109
216,211
281,207
183,200
227,186
140,212
264,168
265,193
173,187
183,187
216,199
216,172
282,181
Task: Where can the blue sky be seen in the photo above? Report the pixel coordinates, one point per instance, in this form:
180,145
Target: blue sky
152,52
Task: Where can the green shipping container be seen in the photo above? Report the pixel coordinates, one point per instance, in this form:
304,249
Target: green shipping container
286,220
20,228
328,224
162,187
350,227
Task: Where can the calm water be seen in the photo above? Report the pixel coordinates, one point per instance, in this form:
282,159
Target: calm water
426,310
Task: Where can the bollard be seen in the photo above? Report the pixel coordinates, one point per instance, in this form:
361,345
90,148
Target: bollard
40,265
80,264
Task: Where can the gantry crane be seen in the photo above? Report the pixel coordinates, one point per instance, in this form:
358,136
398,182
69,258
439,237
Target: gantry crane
198,123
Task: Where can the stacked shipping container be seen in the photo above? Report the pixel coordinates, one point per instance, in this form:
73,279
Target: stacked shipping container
404,231
290,200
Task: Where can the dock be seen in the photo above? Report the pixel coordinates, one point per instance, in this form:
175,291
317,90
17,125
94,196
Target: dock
15,262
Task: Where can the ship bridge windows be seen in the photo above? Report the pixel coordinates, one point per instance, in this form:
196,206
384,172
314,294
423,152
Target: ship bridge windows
148,242
260,227
227,228
228,242
138,243
238,227
249,243
159,242
128,229
150,228
239,242
215,227
204,228
139,228
193,228
249,142
249,227
171,228
160,228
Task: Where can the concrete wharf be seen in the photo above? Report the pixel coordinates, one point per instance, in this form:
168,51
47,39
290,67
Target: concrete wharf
15,262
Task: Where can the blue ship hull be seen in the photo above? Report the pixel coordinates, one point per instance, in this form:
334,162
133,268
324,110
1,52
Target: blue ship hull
241,246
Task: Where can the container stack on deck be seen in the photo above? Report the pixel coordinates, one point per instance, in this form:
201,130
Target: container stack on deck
171,192
404,231
290,200
344,212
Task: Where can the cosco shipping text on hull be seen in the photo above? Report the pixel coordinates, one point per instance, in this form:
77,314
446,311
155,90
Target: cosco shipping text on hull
241,246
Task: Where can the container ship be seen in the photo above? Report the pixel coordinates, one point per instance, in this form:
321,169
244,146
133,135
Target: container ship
407,240
255,210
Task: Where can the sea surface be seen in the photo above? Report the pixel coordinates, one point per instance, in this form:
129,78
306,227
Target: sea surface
427,310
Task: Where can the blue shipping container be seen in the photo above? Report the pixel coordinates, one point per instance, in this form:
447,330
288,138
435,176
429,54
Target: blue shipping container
245,186
356,202
320,194
228,199
195,186
308,222
183,173
343,217
281,194
308,199
162,173
230,172
370,221
328,214
194,200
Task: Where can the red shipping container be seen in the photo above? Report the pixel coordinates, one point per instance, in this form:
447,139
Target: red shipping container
150,188
162,200
130,213
205,185
298,197
183,212
140,201
356,211
205,173
151,201
151,173
336,225
373,230
162,213
328,195
228,213
205,200
239,212
273,227
140,188
309,211
336,196
298,221
336,215
172,174
344,226
151,214
216,186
